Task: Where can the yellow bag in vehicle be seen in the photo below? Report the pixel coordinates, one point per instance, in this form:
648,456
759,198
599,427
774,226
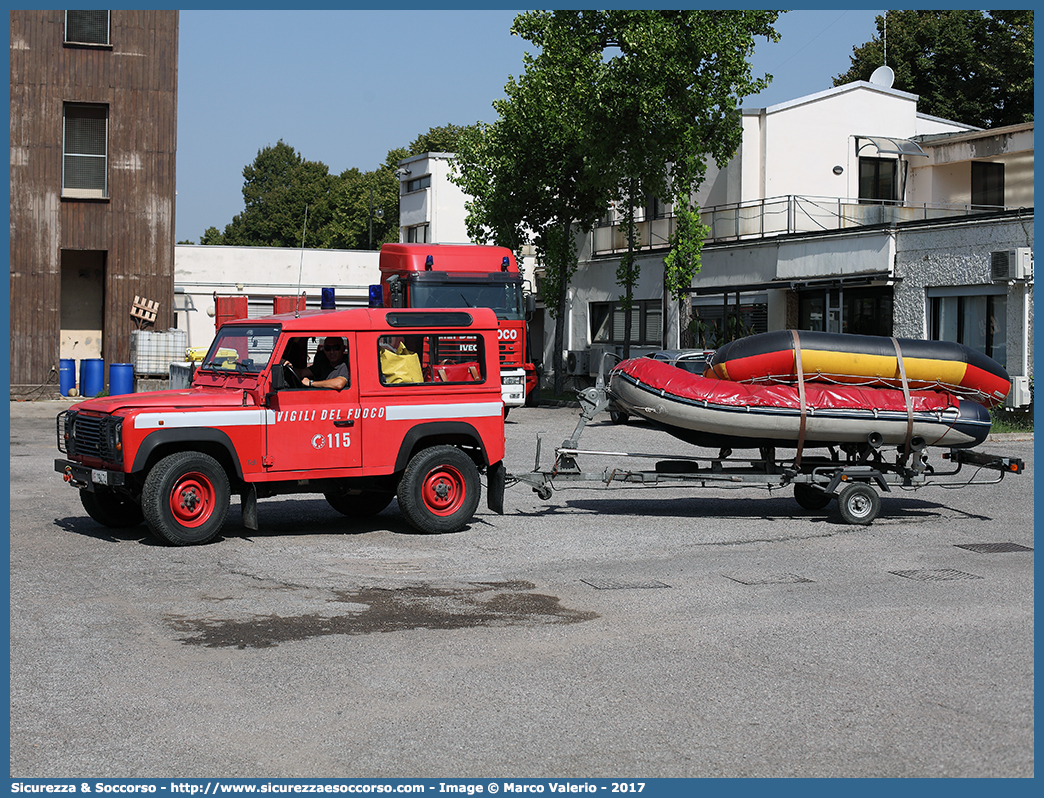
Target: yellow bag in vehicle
401,366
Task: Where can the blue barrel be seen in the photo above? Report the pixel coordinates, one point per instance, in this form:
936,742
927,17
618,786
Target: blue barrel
121,378
92,376
66,375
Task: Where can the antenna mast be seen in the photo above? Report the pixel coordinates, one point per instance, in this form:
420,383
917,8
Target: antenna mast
300,270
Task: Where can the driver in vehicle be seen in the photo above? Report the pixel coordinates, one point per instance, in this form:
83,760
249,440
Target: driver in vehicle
337,378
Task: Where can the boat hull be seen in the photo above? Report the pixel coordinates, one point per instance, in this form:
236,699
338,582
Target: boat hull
864,360
707,411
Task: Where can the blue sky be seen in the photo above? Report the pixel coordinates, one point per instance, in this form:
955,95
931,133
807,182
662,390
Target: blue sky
344,87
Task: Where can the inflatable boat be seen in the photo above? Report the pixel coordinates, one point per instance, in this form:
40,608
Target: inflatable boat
865,360
707,411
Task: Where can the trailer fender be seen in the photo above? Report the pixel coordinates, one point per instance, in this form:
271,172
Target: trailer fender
871,476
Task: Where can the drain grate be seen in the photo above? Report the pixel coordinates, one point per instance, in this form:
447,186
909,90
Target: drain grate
941,575
992,548
613,584
767,579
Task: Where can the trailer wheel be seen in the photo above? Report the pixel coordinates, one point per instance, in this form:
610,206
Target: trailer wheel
618,416
359,505
185,498
811,498
439,491
111,509
859,504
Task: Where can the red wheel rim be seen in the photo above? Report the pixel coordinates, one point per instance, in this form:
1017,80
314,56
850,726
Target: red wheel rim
192,500
443,490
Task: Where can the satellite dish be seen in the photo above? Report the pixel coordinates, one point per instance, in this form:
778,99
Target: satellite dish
883,76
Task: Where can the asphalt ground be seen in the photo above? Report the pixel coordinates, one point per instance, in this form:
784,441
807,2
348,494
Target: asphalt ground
649,632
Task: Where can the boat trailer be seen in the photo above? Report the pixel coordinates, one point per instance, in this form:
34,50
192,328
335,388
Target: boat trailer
852,472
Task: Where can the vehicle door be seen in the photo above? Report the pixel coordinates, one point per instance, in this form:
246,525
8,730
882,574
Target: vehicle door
313,429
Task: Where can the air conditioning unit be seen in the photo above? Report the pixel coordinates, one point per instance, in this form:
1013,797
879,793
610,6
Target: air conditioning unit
598,362
1020,394
1011,264
576,362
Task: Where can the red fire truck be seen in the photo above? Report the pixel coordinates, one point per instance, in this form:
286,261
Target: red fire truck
468,275
417,418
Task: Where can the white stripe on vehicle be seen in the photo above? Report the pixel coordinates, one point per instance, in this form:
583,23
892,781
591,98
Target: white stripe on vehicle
251,416
428,412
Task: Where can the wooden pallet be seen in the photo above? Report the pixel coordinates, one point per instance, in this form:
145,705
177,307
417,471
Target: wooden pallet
143,311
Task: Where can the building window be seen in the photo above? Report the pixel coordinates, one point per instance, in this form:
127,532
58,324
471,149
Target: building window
85,151
867,311
655,208
978,321
987,183
418,183
87,27
716,321
417,234
878,179
607,322
860,311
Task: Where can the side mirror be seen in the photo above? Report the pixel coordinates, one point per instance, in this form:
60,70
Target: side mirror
530,304
277,381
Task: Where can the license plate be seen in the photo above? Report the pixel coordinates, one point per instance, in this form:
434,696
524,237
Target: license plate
99,477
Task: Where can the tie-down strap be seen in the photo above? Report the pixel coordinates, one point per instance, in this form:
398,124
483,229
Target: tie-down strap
906,396
801,395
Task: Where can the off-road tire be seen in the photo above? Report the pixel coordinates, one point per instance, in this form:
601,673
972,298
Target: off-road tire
185,498
111,509
439,491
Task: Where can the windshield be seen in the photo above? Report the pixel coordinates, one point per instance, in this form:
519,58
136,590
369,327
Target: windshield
504,298
242,349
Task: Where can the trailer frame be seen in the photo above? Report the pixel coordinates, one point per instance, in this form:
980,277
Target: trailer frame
849,473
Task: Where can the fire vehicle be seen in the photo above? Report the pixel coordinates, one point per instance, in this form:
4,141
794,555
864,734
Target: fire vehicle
454,275
420,417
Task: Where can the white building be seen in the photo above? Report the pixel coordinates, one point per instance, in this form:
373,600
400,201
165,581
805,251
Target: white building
261,274
848,211
431,208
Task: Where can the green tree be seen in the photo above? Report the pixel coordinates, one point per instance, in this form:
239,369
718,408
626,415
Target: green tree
667,101
280,183
618,104
437,139
970,66
277,188
212,236
365,207
535,174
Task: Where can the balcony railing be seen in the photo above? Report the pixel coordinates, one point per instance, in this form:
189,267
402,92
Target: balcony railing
777,216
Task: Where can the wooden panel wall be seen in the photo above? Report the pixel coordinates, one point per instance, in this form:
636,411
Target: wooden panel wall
137,78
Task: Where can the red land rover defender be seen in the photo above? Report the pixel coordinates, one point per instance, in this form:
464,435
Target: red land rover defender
420,417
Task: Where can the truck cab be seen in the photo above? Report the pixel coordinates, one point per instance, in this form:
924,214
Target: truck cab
466,275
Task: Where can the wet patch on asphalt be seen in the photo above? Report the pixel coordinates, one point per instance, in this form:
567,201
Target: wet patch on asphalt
373,610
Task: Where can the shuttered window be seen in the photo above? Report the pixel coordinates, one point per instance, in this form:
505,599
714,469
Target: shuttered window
608,318
85,151
87,27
